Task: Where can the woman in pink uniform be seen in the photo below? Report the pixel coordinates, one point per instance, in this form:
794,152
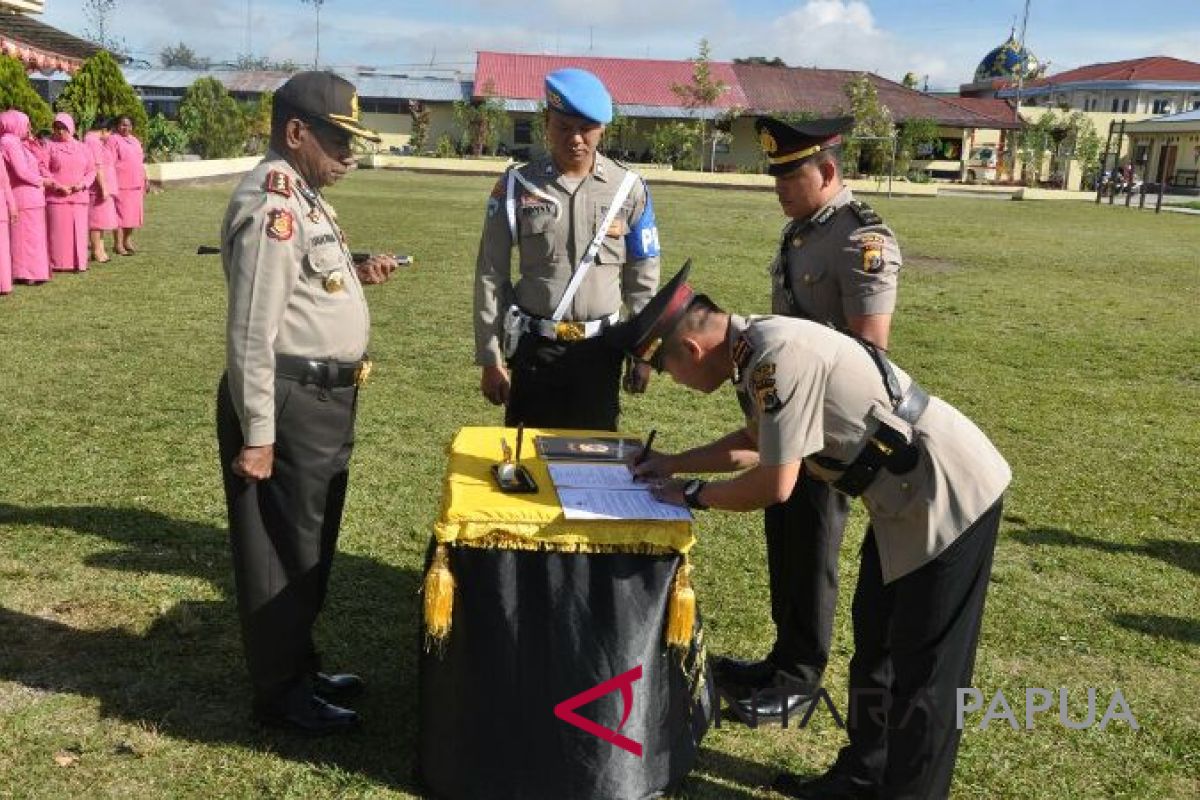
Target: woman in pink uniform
8,215
69,172
131,183
27,236
102,210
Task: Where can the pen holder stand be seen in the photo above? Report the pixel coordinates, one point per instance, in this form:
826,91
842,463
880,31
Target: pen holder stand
513,478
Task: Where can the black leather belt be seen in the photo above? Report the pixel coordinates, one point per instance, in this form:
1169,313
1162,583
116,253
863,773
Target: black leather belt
326,373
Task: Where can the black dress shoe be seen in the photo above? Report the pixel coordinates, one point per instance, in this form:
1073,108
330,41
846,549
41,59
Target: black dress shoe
308,715
341,686
769,704
732,673
833,785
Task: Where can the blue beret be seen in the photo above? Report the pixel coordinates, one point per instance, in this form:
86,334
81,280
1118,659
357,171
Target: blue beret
579,93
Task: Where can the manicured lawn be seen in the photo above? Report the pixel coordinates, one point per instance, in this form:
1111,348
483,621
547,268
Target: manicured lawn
1067,331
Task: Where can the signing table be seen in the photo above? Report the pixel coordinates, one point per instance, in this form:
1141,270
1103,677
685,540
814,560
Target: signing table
525,610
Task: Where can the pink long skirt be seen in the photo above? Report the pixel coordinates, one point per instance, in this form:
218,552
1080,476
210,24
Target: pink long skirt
27,239
129,207
68,236
102,215
5,261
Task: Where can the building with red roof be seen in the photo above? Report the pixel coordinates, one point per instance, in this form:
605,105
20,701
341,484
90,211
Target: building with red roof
642,91
40,47
1138,87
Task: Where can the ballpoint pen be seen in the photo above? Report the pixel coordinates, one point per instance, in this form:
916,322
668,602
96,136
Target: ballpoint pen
646,450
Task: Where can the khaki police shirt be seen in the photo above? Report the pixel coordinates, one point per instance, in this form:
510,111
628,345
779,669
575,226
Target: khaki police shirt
292,285
553,235
807,390
839,265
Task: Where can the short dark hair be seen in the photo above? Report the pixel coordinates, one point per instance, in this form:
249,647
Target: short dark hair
100,123
830,155
699,312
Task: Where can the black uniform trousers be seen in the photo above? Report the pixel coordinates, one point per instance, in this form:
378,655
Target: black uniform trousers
804,539
914,647
564,384
283,531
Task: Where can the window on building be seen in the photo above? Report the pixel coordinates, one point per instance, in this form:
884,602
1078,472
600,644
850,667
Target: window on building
1162,106
523,131
1125,106
1196,105
1115,105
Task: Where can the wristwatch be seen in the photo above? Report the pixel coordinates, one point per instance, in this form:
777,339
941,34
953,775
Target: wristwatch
691,494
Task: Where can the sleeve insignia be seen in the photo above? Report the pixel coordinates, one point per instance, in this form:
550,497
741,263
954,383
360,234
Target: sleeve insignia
871,245
617,229
762,381
280,224
279,183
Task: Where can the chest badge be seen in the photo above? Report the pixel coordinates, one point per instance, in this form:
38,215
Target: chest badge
334,282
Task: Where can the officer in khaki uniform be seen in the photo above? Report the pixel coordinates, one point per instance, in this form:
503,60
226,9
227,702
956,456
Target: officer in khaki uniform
295,359
932,484
560,372
837,263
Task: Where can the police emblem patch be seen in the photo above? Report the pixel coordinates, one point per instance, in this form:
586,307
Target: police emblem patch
871,245
280,224
762,383
617,228
279,183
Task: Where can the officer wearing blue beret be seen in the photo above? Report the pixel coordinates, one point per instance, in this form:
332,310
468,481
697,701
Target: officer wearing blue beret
586,239
838,264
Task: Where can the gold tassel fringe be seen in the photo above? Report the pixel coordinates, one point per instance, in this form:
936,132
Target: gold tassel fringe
681,608
439,597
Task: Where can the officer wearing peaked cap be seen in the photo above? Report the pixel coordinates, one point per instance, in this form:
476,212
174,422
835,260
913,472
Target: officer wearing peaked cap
586,244
837,263
834,406
295,359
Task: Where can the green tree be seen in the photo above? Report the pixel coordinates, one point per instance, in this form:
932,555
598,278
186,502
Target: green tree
17,92
99,89
674,143
913,133
1033,142
420,126
910,80
180,55
100,30
256,116
164,138
617,133
761,61
703,92
482,121
1087,148
214,123
872,121
250,63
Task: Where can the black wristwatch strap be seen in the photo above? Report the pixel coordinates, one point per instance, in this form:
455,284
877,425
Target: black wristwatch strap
691,494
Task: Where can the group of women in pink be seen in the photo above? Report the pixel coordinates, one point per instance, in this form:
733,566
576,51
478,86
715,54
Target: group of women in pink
60,196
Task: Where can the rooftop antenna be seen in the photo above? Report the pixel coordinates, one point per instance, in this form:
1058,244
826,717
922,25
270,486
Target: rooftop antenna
249,27
591,39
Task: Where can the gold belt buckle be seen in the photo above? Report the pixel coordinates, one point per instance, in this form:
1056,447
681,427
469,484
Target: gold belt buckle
363,372
569,331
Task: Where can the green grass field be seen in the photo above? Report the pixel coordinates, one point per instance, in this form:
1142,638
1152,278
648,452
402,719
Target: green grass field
1069,332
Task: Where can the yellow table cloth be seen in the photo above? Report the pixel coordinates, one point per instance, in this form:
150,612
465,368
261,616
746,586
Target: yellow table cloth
476,513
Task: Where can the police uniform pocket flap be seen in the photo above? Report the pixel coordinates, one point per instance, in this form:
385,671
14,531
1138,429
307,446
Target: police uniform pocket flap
612,244
539,224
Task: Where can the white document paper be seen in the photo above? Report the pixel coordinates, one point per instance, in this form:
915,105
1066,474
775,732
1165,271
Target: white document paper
593,476
608,491
617,504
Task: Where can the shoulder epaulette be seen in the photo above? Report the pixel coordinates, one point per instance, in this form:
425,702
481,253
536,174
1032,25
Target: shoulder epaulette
279,183
743,351
866,215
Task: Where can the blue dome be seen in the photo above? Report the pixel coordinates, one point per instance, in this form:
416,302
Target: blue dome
1005,62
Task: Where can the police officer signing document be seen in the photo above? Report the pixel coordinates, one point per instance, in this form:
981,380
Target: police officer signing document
835,406
584,230
837,263
296,357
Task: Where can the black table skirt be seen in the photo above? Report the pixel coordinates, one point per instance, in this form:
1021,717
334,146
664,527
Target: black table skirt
532,629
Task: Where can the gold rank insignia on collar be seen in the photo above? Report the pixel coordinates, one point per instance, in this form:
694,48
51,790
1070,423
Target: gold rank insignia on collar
334,281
